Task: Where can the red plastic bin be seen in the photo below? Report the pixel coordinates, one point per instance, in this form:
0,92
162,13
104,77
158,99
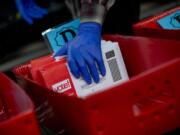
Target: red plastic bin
149,103
150,28
17,114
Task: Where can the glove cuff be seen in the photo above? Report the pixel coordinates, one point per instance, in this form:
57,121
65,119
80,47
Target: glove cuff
92,12
90,27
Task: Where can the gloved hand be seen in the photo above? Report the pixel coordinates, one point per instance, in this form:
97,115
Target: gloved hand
29,10
84,53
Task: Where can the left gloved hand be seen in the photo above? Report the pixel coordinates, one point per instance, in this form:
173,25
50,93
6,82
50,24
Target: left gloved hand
29,10
84,53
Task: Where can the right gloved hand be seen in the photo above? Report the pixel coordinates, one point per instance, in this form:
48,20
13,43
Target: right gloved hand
84,53
29,10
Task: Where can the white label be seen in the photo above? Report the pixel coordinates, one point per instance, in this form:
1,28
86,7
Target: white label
62,86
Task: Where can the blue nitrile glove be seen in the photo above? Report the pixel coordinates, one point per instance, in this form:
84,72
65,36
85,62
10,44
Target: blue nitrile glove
84,53
29,10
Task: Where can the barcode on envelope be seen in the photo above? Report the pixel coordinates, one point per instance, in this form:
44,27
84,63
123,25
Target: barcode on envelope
115,72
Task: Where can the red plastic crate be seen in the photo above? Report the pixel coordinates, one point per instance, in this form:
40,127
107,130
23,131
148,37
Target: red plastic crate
150,28
17,114
149,103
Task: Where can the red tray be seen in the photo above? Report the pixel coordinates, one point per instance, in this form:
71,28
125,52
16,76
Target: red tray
147,104
17,114
150,28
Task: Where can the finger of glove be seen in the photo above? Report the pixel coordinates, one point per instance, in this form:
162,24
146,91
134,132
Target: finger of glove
41,9
34,13
101,65
27,18
23,13
74,68
37,8
61,52
92,66
83,68
94,52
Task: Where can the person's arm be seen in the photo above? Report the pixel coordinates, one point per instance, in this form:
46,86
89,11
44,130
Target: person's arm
91,10
84,53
